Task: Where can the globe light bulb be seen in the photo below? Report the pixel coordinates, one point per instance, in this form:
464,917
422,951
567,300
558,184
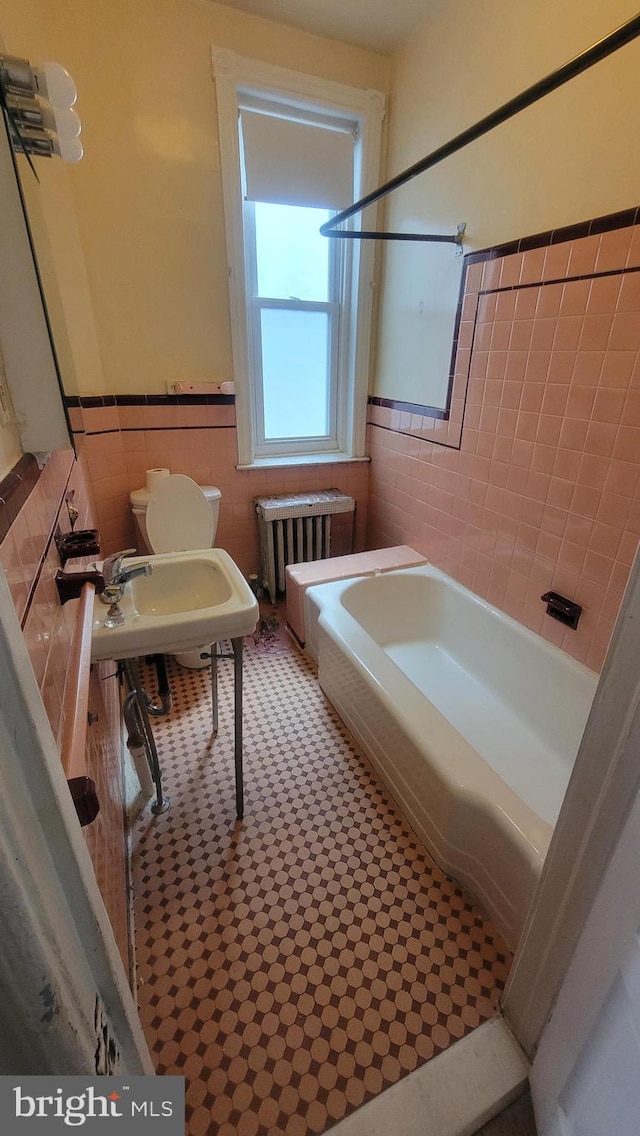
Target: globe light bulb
54,83
64,123
69,149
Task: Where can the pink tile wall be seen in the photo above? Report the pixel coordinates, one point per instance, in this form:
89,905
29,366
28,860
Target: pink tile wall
543,492
30,560
22,550
199,441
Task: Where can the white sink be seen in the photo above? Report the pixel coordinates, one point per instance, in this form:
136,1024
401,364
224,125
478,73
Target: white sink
190,599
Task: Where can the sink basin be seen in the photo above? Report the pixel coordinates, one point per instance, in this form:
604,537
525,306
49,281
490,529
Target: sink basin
178,586
191,598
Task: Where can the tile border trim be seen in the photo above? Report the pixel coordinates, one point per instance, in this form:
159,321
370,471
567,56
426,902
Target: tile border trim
94,400
625,218
147,430
559,280
409,407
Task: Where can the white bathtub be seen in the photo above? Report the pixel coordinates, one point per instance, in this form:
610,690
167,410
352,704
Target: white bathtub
473,721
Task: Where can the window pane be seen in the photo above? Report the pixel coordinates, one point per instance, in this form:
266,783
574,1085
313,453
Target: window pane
292,257
295,373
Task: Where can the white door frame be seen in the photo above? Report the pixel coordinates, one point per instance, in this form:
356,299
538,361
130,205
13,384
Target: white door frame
64,989
592,1036
600,796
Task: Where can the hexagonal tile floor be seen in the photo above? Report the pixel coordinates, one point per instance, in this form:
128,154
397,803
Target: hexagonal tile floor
297,963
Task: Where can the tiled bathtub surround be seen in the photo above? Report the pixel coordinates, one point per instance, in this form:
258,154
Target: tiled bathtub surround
543,491
297,963
126,437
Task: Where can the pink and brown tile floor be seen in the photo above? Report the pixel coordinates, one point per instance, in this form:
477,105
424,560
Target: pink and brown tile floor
295,964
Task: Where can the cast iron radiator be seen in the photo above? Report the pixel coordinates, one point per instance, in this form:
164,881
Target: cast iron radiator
295,528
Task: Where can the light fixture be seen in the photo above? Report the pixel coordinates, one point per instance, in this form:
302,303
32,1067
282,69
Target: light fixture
37,102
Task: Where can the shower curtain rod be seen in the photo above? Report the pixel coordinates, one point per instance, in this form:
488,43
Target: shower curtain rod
600,50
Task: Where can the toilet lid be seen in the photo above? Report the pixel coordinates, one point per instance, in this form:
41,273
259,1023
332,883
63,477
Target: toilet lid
179,516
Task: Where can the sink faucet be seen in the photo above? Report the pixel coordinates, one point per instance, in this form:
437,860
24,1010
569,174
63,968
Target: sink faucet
112,565
126,574
116,576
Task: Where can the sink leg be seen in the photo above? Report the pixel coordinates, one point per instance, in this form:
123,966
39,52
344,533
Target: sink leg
214,687
131,670
237,645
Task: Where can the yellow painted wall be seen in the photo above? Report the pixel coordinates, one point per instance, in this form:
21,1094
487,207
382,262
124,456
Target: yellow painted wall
571,157
148,195
138,224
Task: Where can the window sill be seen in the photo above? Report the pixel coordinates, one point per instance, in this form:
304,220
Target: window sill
302,459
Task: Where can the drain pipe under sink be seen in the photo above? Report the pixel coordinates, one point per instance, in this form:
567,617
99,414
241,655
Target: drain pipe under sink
154,707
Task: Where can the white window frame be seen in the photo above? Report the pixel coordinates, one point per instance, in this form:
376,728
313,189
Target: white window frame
264,447
234,76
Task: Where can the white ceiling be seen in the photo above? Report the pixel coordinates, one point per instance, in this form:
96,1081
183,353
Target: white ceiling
378,25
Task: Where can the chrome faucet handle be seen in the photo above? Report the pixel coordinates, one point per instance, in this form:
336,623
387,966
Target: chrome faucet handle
111,565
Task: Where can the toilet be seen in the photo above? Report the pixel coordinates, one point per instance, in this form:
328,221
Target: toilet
175,516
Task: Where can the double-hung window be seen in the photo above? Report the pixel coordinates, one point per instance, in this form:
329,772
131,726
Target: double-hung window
294,152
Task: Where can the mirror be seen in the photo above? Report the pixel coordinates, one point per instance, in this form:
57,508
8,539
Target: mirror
29,358
51,218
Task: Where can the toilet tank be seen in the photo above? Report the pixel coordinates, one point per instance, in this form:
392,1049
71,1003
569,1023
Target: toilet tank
139,499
